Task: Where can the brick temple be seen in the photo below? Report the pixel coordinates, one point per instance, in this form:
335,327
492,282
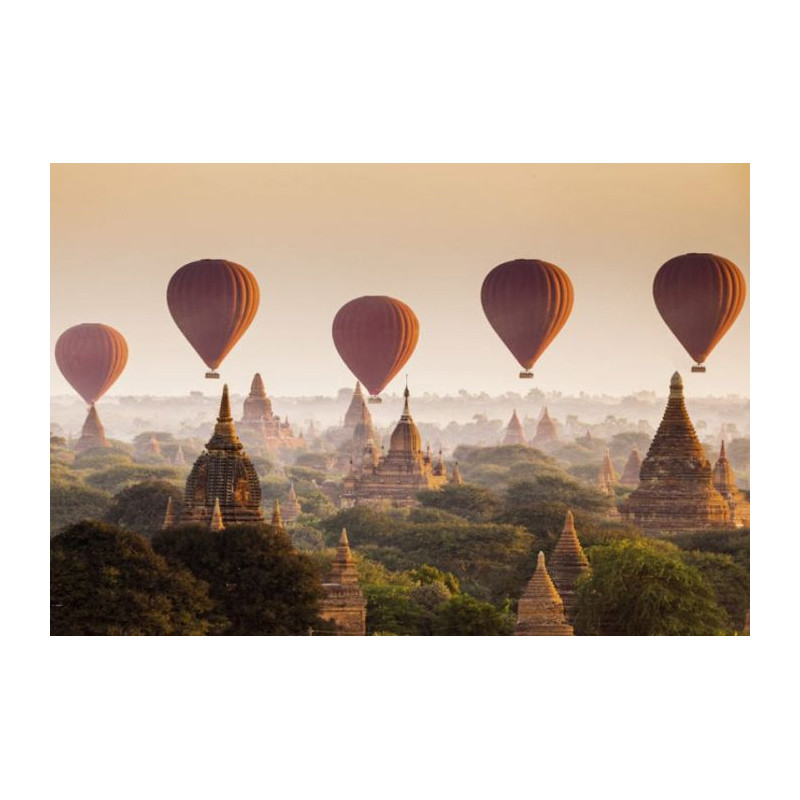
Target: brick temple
541,610
567,563
222,475
514,432
92,434
395,478
676,490
259,426
343,602
630,474
725,484
545,430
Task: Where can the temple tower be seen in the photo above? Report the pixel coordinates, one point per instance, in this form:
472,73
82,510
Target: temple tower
567,564
216,523
92,434
676,492
456,476
179,460
293,509
630,475
514,432
541,611
257,406
260,426
725,484
223,474
545,430
343,601
357,410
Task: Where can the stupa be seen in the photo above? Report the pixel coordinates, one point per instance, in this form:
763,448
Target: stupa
541,610
567,563
676,492
343,601
725,484
92,434
630,475
545,430
179,460
456,476
397,476
292,509
222,474
259,426
357,411
607,476
514,432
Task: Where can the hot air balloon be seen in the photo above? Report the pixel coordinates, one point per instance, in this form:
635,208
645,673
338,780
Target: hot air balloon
527,302
375,336
213,303
91,357
699,296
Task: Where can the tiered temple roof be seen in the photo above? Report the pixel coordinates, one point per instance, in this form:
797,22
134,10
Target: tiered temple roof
567,564
630,475
541,610
514,432
397,476
545,430
92,434
676,491
357,410
343,601
293,509
607,476
223,473
260,426
725,484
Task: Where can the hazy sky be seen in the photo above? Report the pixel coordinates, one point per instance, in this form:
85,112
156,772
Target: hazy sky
316,236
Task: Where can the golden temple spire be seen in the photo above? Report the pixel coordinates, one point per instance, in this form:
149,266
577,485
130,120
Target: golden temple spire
277,521
169,516
541,610
216,517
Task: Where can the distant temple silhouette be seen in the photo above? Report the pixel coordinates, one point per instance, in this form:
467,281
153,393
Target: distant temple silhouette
514,432
92,434
259,426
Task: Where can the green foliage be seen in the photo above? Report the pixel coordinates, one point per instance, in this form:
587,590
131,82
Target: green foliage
108,582
621,444
141,440
463,615
260,583
318,462
101,458
729,580
141,507
391,609
71,503
496,467
304,537
735,543
470,502
644,588
555,489
116,478
262,464
426,575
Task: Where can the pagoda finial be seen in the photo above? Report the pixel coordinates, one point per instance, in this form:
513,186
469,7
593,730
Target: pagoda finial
343,541
406,394
569,523
277,520
225,406
722,450
216,517
169,516
676,386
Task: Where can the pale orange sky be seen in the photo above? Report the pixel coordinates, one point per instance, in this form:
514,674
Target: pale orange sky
316,236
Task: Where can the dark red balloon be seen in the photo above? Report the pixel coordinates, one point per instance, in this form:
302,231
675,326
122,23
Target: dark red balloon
213,303
91,357
527,302
375,336
699,296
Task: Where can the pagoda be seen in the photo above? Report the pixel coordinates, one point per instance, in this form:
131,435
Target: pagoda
223,475
545,430
567,563
541,610
607,476
260,426
395,478
363,450
179,460
514,432
456,476
92,434
630,475
357,411
676,490
343,602
725,484
293,509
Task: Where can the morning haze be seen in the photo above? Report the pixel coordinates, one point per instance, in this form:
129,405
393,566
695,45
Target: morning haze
316,236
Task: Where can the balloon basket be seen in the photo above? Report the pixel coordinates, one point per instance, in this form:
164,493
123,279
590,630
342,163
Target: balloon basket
526,375
698,368
374,400
214,375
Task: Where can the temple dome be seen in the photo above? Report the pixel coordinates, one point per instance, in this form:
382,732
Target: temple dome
405,439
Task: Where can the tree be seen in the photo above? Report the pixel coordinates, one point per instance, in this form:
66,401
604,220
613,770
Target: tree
470,502
391,609
72,502
644,588
108,582
118,477
463,615
729,580
261,584
141,507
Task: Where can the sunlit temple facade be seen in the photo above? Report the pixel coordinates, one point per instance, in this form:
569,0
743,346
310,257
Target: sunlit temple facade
260,427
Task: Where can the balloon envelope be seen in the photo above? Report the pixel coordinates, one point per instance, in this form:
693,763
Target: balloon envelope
527,302
91,357
213,303
699,296
375,336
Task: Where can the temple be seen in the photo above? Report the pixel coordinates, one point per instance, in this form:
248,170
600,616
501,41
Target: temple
545,431
676,491
179,460
456,478
541,610
395,478
725,484
222,476
630,475
514,432
607,476
293,508
92,434
356,409
343,602
567,564
259,426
